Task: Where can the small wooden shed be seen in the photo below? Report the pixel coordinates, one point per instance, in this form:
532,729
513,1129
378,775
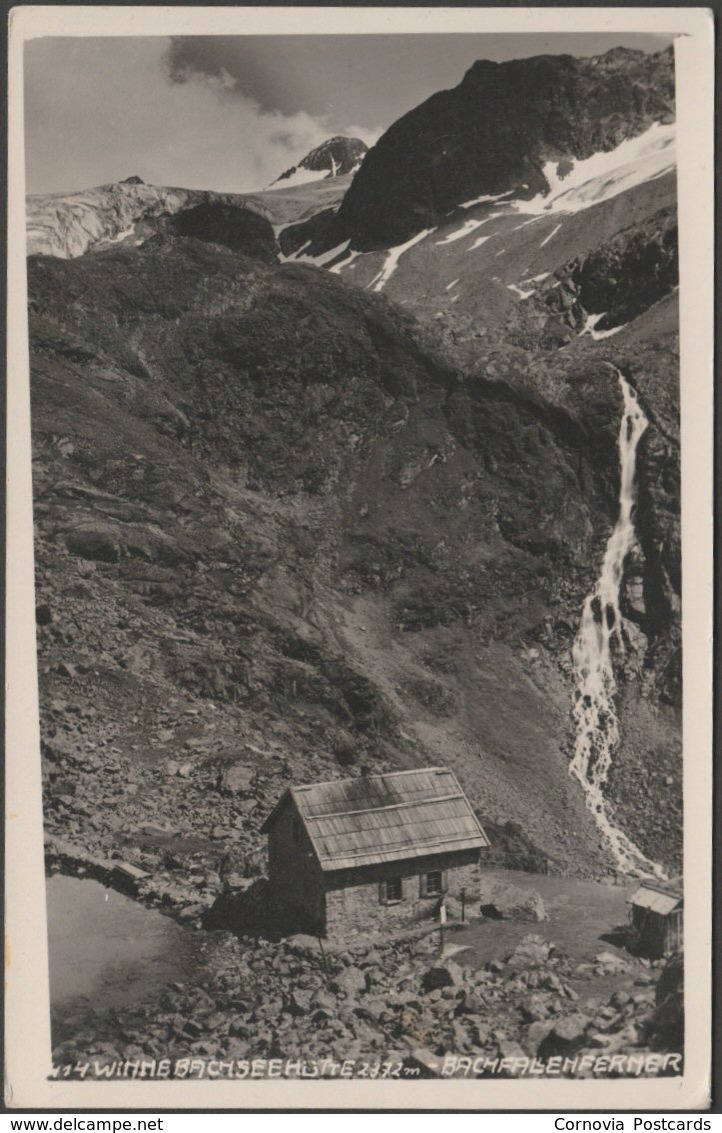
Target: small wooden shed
371,853
656,916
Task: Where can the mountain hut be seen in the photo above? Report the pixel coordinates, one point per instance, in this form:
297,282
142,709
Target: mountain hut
372,853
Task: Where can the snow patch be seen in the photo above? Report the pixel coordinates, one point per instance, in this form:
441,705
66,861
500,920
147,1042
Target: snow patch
483,200
479,241
326,257
548,238
298,177
591,322
452,284
524,223
323,258
520,291
392,259
300,251
597,334
346,263
119,236
606,174
466,229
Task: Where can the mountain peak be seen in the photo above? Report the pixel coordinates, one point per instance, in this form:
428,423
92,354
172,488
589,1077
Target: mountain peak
495,131
333,158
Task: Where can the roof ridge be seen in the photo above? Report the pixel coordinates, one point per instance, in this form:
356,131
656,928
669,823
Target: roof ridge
378,775
668,888
386,806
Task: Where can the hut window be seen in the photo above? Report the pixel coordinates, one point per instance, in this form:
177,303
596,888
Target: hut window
391,891
432,884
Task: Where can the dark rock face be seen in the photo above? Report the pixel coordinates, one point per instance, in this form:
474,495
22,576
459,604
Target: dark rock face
621,278
666,1025
236,228
494,132
319,230
335,157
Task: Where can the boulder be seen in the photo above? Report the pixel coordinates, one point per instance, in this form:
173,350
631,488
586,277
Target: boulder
460,1036
535,1009
301,942
535,1035
94,541
531,952
611,961
504,901
549,981
43,615
299,1002
236,779
479,1031
612,1041
351,982
507,1046
472,1004
447,974
566,1036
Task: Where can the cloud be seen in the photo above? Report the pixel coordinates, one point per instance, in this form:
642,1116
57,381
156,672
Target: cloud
252,62
278,75
327,77
98,110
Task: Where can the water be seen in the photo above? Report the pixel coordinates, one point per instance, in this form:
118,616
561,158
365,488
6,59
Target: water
107,950
601,633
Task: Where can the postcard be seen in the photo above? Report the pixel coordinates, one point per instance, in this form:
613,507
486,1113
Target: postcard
360,573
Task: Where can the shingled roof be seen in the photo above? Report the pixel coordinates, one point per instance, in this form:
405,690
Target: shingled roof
659,897
385,818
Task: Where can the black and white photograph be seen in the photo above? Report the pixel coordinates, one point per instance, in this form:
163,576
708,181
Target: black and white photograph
363,712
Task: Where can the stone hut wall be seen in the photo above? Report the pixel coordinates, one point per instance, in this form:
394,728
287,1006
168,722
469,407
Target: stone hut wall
354,904
296,889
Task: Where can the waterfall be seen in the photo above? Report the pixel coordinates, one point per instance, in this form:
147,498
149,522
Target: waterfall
594,712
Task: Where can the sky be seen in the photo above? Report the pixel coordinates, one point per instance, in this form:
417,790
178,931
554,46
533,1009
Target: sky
231,113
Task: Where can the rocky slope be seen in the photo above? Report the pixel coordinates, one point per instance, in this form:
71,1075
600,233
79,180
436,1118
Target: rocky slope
276,526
